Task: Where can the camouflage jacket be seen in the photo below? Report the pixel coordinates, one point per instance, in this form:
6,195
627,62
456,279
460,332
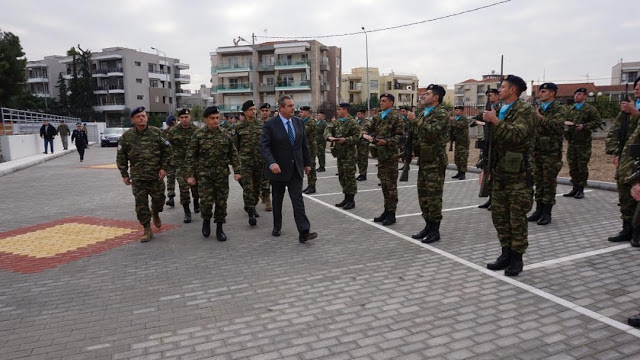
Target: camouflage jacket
346,128
321,125
460,129
586,115
63,130
179,138
390,129
227,125
612,142
431,136
310,131
550,128
145,153
364,125
210,152
515,134
246,136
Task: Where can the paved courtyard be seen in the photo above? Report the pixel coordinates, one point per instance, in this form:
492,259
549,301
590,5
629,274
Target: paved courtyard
75,283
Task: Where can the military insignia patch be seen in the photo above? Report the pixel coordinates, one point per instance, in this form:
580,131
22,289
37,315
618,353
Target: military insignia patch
119,147
166,142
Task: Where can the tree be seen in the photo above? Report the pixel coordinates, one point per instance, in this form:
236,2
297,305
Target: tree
197,112
12,67
63,98
81,100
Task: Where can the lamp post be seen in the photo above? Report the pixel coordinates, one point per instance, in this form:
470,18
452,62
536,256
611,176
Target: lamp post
366,42
169,76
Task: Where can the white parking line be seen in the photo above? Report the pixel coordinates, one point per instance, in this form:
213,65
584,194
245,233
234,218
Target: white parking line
496,275
399,187
576,256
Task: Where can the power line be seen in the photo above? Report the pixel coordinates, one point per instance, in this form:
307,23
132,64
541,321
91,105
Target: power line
390,27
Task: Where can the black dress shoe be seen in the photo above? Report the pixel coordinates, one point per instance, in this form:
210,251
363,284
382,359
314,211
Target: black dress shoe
275,232
310,190
307,236
321,169
206,228
634,320
304,191
485,205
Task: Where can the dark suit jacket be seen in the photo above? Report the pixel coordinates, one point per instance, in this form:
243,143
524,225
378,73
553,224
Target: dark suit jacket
51,132
276,148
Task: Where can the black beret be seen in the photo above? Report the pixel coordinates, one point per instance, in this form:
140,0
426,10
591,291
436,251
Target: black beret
549,86
388,96
459,107
78,124
517,82
344,105
321,112
582,90
362,111
210,110
437,89
265,106
170,120
247,104
184,112
305,108
636,82
136,110
494,91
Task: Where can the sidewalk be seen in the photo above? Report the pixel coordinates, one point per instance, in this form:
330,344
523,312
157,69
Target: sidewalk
12,166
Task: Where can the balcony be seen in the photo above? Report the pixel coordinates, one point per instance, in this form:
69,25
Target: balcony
182,66
116,106
99,73
158,75
101,90
115,72
289,86
292,65
234,88
37,79
266,67
324,65
183,92
266,88
230,108
183,78
116,89
324,87
42,94
227,68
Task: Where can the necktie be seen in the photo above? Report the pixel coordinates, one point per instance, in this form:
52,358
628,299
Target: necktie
290,132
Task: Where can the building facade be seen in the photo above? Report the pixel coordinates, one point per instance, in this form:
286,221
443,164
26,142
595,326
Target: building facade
200,97
625,73
42,76
353,89
473,91
306,70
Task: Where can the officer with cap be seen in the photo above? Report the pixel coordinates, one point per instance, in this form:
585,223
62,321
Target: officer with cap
512,140
81,140
143,158
247,141
493,96
265,187
171,171
460,132
179,137
310,131
547,154
211,150
321,125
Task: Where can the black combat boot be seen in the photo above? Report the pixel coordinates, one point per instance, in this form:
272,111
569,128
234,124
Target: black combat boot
625,234
485,205
538,213
503,260
635,239
361,178
580,193
343,202
351,202
320,169
220,235
515,266
196,204
187,213
381,217
462,176
456,175
390,219
170,202
304,191
252,218
206,227
545,218
571,193
423,233
434,233
255,212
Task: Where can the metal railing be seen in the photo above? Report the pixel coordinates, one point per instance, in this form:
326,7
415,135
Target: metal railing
304,83
21,122
241,86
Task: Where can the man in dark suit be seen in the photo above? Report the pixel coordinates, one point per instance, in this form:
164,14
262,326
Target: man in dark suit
48,132
284,147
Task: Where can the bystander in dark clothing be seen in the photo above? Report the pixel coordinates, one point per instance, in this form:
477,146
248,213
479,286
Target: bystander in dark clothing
48,132
81,140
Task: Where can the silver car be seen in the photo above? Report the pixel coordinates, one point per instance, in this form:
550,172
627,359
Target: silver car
110,136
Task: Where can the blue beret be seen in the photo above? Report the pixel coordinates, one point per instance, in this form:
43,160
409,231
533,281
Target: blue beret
517,82
305,108
210,110
247,105
170,120
184,112
388,96
136,110
344,105
549,86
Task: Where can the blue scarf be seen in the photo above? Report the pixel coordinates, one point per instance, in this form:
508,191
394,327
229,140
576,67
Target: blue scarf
343,119
545,105
428,110
578,106
638,104
503,110
305,120
385,113
458,117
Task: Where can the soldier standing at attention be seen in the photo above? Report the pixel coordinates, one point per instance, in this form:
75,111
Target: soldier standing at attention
171,170
430,141
513,138
494,98
362,147
211,150
143,150
547,153
247,141
582,120
81,139
346,134
179,137
265,187
460,125
63,131
321,125
387,127
310,131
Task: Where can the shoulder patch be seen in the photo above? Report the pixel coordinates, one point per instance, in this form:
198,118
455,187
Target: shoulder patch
119,147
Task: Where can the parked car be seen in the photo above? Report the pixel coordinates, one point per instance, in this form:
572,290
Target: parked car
110,136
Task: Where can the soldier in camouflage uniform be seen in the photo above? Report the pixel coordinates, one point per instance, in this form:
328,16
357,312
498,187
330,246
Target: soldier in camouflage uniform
362,147
265,187
247,141
310,131
494,98
387,127
321,125
345,133
582,120
513,137
633,109
547,153
210,152
431,135
460,131
143,150
179,137
171,170
624,162
225,123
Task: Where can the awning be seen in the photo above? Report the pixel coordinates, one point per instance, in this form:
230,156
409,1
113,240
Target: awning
291,50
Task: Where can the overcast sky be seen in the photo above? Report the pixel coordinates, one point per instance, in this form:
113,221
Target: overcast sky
556,40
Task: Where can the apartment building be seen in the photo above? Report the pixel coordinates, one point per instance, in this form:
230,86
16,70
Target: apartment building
306,70
625,73
200,97
473,91
404,87
42,76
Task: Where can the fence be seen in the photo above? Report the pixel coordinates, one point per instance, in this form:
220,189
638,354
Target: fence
21,122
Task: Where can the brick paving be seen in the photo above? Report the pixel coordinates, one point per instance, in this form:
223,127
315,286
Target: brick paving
357,292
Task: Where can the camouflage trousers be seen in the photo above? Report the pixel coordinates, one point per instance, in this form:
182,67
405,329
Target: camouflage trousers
363,158
185,197
388,176
346,169
265,188
251,181
312,177
430,186
627,202
322,145
171,180
545,172
461,155
213,191
142,190
578,156
510,204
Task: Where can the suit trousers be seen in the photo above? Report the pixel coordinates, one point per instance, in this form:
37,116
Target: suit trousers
297,201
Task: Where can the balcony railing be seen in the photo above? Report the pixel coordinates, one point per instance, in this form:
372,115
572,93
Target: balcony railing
183,77
305,84
284,64
231,68
241,87
266,67
153,71
115,70
116,87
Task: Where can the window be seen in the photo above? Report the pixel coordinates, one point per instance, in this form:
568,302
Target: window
139,81
157,98
140,97
374,84
337,62
350,98
153,83
137,63
270,81
233,83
